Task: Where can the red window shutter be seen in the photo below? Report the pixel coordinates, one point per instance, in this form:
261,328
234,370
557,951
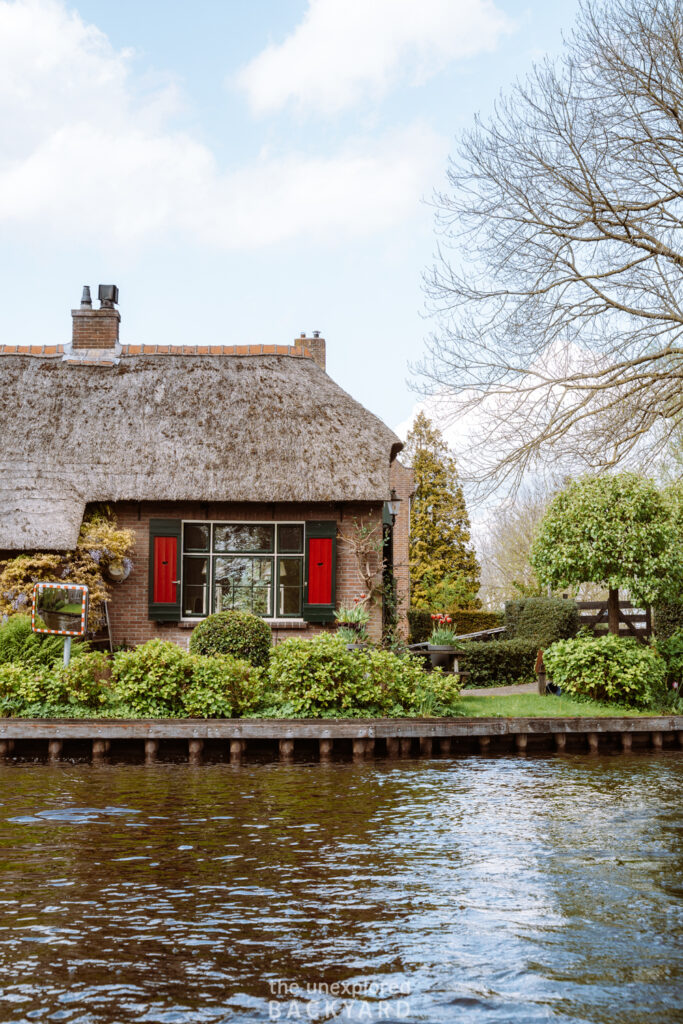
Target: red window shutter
165,562
321,556
320,570
164,569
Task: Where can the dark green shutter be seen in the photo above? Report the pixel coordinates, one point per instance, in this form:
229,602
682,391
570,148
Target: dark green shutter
164,569
320,571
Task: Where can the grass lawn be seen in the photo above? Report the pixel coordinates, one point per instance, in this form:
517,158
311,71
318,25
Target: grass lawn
532,705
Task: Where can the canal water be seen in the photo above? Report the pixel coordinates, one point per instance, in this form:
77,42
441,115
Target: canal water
472,890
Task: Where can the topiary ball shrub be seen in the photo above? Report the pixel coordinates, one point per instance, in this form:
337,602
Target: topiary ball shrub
238,633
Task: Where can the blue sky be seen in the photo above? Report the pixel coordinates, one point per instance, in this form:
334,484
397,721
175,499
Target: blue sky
244,171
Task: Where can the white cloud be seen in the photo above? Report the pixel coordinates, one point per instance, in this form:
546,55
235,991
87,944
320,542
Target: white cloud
344,49
85,153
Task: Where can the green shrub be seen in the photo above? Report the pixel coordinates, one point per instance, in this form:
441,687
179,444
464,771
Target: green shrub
222,687
464,621
668,618
86,680
152,678
56,690
18,643
406,687
237,633
607,668
546,619
320,678
159,679
499,662
671,649
26,686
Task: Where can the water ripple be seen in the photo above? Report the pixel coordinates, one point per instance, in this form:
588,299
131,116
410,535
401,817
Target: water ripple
487,891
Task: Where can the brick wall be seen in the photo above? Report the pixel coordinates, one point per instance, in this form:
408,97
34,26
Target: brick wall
128,608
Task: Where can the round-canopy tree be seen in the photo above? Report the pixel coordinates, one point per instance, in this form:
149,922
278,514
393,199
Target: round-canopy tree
616,531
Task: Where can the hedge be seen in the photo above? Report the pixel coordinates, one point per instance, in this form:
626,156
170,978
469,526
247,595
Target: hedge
499,662
464,621
668,618
547,619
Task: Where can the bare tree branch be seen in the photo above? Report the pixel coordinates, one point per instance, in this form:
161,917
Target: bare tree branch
558,281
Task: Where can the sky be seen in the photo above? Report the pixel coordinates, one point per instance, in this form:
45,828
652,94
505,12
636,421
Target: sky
245,170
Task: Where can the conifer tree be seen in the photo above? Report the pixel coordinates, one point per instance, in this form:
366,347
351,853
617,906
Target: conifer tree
441,558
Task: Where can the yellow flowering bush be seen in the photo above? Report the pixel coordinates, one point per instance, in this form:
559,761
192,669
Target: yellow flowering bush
101,546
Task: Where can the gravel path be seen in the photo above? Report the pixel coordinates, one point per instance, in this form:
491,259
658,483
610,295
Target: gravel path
503,691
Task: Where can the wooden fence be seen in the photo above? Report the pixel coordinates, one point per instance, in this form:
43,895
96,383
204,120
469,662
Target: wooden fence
633,621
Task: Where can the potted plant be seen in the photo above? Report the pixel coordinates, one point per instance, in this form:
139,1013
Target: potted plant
442,645
354,616
352,621
355,641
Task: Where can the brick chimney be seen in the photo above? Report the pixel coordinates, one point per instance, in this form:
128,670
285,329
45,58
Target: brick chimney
315,345
97,328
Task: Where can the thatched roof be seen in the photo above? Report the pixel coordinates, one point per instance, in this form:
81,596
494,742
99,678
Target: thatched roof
257,428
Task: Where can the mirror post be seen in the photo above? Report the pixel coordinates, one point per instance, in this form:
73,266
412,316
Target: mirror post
67,650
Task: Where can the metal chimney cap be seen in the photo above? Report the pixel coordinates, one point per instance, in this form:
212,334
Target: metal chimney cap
316,334
86,301
303,334
108,294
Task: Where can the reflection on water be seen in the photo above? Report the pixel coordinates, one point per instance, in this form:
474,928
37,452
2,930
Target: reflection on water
475,890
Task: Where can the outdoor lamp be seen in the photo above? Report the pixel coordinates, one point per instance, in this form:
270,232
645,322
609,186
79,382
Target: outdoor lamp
393,506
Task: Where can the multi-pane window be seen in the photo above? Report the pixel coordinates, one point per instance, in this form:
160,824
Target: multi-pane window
251,567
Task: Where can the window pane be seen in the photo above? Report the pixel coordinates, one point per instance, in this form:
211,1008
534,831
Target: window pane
243,584
290,539
243,537
290,586
195,586
196,537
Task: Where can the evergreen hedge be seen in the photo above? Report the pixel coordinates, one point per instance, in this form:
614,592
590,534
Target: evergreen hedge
499,662
668,618
546,619
464,621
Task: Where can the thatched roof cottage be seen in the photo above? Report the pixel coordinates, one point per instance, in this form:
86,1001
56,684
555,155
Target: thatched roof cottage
240,469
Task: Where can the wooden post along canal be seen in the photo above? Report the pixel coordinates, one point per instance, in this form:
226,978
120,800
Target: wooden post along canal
362,740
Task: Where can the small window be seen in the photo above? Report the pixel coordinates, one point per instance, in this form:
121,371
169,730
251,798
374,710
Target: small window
290,538
196,536
290,580
195,586
244,537
244,584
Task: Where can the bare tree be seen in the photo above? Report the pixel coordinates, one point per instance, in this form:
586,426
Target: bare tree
506,572
505,546
558,284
